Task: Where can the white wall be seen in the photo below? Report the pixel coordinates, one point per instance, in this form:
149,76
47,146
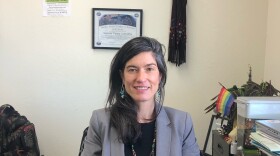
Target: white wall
272,63
49,72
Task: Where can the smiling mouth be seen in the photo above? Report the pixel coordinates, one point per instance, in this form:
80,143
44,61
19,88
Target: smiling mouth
141,88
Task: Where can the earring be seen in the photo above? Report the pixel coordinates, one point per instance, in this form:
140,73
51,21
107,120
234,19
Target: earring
122,92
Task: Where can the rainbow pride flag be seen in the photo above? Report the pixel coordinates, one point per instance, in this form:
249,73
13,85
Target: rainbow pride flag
224,102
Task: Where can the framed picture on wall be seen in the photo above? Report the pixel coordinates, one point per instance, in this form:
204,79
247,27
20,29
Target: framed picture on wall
114,27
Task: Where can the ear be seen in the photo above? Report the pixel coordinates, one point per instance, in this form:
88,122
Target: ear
122,76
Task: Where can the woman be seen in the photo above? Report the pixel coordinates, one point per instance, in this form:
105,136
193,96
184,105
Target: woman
134,121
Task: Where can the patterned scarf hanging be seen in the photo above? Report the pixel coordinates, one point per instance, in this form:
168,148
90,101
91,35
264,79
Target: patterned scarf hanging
177,36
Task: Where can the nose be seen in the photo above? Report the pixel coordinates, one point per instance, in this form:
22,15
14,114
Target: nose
141,76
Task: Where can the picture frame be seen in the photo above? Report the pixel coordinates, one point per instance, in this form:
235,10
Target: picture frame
114,27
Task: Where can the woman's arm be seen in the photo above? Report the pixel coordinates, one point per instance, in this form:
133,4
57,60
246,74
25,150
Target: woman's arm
190,146
92,143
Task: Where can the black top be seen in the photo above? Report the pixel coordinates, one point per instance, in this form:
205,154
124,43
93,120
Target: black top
143,146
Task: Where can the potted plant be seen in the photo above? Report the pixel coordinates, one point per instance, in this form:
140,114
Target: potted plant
250,88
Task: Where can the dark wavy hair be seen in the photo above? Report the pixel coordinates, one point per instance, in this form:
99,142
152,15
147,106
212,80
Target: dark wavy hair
124,110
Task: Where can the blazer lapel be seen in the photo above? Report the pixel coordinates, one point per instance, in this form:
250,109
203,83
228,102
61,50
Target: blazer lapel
117,148
163,140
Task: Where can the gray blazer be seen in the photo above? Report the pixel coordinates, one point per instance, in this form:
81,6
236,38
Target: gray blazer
175,135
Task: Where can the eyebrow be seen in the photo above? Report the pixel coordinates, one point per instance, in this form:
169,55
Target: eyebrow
147,65
131,66
151,64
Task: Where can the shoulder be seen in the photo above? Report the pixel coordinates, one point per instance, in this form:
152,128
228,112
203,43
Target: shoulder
172,112
100,115
101,112
176,116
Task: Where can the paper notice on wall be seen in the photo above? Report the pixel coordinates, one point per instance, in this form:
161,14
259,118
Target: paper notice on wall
56,8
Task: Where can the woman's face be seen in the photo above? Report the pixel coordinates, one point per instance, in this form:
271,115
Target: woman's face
141,77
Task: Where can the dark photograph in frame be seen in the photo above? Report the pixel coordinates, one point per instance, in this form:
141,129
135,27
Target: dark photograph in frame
114,27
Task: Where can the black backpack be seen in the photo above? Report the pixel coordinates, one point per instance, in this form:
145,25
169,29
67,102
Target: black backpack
17,134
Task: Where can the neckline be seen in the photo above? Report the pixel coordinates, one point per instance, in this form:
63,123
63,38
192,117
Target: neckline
148,123
154,140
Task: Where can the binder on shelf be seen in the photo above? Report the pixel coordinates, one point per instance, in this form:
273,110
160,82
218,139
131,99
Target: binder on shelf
270,127
269,137
265,142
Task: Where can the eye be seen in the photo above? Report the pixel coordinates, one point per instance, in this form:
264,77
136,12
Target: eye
131,70
150,69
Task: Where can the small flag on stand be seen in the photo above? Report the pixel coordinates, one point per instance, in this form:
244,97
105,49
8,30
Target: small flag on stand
224,102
